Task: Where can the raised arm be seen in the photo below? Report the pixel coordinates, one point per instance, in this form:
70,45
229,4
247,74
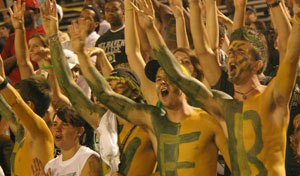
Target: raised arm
88,110
5,109
282,85
282,24
206,56
239,14
102,63
126,108
181,33
193,88
24,115
135,59
212,25
22,53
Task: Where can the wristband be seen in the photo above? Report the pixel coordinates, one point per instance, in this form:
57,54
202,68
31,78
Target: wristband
274,4
3,84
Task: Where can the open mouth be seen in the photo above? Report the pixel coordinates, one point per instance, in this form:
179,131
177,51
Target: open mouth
232,67
58,137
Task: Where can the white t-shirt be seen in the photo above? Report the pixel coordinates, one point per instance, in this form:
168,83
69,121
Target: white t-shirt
72,166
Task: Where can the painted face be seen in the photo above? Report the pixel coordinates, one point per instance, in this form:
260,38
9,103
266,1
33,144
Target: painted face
185,60
36,48
167,93
89,15
240,62
65,135
114,13
120,87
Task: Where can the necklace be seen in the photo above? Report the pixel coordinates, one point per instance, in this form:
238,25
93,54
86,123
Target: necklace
244,95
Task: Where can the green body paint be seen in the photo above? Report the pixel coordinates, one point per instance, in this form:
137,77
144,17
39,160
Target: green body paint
239,157
169,141
128,154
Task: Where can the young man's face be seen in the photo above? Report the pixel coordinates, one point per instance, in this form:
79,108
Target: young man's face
240,62
35,46
4,32
90,15
114,13
121,87
65,135
167,93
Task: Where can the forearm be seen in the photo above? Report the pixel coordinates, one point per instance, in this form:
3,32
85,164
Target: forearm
207,58
23,113
238,19
212,25
283,26
8,114
58,98
89,111
22,55
181,33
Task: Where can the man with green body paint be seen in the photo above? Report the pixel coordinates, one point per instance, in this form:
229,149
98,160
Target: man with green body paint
257,121
186,138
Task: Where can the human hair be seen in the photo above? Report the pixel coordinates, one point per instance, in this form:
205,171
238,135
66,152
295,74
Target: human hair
120,1
257,41
194,60
42,37
70,115
37,90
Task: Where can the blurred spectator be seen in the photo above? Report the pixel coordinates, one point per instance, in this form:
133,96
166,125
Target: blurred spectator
5,30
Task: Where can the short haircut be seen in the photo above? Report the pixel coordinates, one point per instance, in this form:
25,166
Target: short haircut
259,48
37,90
120,1
69,115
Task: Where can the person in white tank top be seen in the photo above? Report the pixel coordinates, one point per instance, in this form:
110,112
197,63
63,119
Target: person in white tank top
75,159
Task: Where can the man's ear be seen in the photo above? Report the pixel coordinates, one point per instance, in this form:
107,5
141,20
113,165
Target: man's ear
31,105
258,66
81,131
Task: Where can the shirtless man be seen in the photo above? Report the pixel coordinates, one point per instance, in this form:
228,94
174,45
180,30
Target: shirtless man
33,138
257,126
186,138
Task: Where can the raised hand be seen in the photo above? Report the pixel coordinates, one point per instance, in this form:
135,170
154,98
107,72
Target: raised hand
95,51
177,8
49,16
37,168
145,11
240,3
17,14
76,35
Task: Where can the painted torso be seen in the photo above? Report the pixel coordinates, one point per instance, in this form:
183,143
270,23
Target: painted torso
26,149
138,157
257,139
187,148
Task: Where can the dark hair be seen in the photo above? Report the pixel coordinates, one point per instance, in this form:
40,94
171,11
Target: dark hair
120,1
9,27
42,37
195,62
259,49
70,115
37,90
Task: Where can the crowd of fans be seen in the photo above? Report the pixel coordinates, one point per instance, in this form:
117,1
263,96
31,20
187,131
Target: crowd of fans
146,87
